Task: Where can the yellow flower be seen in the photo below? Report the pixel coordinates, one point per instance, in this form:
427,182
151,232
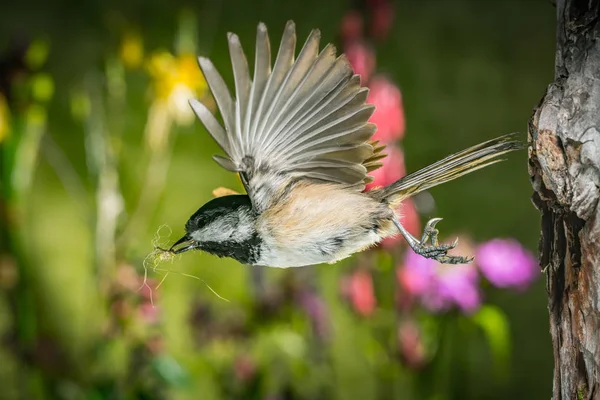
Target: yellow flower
176,80
132,50
4,119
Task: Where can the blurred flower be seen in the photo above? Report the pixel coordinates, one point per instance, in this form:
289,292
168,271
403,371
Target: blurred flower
393,168
132,50
352,26
382,18
149,313
362,59
506,263
358,289
316,309
411,346
176,80
244,368
440,286
128,278
389,112
4,119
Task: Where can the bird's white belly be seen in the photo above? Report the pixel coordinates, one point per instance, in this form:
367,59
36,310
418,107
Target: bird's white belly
315,253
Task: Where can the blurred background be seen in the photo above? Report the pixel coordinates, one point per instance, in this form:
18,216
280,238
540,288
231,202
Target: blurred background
101,160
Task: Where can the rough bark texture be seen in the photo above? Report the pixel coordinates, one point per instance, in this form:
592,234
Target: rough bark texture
564,134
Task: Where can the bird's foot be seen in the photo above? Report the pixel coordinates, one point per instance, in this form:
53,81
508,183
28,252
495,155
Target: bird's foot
435,250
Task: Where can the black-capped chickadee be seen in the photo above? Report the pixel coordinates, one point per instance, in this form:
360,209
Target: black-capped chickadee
298,135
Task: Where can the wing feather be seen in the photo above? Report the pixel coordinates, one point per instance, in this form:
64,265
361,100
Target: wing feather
304,118
262,70
242,86
212,125
222,98
292,86
283,63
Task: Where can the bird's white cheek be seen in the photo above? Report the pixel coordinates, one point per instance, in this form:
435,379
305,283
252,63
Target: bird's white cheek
227,229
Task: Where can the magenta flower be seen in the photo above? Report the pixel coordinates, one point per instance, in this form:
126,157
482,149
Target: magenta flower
506,263
362,59
389,112
440,287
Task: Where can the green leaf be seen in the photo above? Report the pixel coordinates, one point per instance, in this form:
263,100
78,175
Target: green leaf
37,53
494,324
187,33
42,87
171,371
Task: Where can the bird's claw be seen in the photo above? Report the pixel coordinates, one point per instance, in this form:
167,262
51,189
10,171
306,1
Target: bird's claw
436,251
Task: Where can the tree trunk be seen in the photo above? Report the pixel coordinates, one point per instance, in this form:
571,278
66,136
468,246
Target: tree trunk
564,164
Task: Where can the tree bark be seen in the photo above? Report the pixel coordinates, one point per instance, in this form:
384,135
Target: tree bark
564,164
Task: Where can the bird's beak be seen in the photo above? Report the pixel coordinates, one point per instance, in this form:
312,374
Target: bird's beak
185,243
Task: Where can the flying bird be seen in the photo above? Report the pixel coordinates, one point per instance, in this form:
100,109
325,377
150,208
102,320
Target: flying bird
298,135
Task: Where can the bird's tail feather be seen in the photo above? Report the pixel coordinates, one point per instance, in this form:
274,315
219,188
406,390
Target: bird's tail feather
450,168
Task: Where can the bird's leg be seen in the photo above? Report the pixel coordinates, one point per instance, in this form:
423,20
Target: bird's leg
435,250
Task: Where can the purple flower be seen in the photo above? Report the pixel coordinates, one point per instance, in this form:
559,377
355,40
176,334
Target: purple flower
438,286
317,311
506,263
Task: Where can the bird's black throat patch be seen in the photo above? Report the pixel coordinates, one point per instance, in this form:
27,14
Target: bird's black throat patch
226,208
246,252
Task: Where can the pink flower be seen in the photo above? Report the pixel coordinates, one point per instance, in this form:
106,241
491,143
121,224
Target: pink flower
393,168
383,19
506,263
149,313
358,288
244,368
410,343
352,26
389,112
362,59
438,286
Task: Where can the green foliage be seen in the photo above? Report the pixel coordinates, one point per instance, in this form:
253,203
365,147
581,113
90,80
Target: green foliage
495,326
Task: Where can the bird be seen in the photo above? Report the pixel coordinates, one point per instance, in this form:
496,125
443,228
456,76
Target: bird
298,134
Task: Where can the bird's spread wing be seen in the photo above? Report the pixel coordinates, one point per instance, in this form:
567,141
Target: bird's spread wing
303,117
